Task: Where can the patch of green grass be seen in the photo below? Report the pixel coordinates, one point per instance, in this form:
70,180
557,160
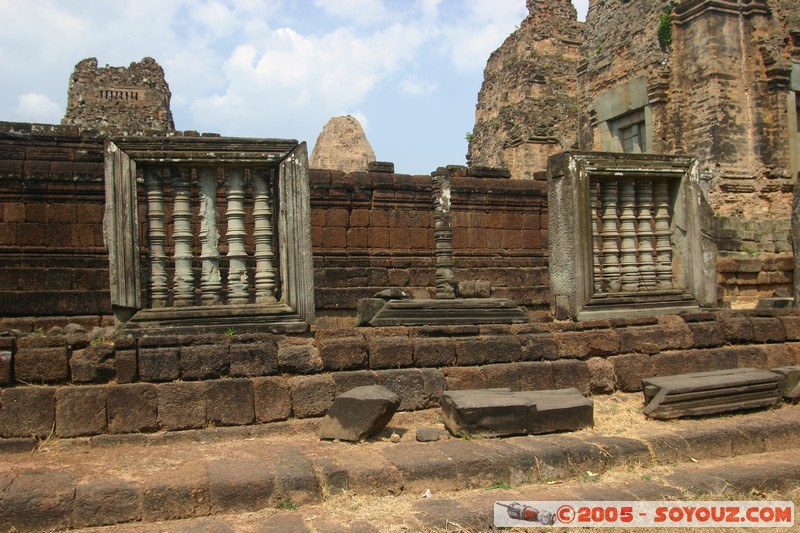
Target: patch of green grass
230,332
499,485
38,332
287,505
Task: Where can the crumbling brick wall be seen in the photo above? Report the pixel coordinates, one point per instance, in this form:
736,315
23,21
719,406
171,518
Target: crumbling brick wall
119,100
51,214
374,230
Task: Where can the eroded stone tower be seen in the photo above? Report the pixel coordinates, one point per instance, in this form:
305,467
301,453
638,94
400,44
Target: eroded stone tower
119,101
526,108
342,145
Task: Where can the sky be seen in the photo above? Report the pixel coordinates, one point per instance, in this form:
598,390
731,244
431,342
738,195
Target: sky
408,70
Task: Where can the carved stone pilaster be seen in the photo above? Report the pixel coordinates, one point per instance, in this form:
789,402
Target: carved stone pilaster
610,236
262,215
629,278
597,269
157,236
237,255
183,280
644,231
662,231
443,234
210,279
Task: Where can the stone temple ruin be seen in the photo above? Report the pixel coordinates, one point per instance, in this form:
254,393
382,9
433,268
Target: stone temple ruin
626,207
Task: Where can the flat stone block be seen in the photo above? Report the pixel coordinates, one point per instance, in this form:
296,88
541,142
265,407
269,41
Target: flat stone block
105,502
408,384
257,359
343,353
132,408
229,402
273,400
299,358
204,362
127,366
790,388
81,411
390,352
501,412
359,413
239,485
425,312
181,494
41,365
94,364
181,405
5,367
311,395
706,393
27,412
296,479
38,500
159,364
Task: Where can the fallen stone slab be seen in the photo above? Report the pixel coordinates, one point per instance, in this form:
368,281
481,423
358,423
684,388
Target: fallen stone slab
790,388
501,412
359,413
707,393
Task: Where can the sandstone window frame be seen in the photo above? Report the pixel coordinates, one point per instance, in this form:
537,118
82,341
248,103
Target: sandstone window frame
630,131
294,309
623,107
572,248
793,110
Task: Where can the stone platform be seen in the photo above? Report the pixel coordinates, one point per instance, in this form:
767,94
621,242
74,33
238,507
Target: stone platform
428,312
122,479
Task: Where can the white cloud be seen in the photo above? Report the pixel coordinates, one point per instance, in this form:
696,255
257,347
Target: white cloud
470,40
416,86
304,78
357,11
32,107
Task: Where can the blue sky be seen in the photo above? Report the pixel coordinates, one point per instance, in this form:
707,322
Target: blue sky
409,70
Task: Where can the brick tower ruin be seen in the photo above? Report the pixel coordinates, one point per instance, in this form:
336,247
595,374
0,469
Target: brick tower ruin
526,108
118,101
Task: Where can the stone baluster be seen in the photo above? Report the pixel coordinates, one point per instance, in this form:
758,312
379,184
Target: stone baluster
593,212
644,230
629,278
210,279
157,237
443,234
262,215
237,255
183,281
663,235
610,236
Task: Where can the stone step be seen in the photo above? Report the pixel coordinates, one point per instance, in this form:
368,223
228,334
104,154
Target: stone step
148,478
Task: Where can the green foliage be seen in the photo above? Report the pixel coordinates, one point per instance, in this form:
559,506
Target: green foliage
665,28
752,252
470,137
499,485
39,332
287,505
98,341
230,332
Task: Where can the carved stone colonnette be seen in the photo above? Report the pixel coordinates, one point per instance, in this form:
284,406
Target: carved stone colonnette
255,274
627,236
